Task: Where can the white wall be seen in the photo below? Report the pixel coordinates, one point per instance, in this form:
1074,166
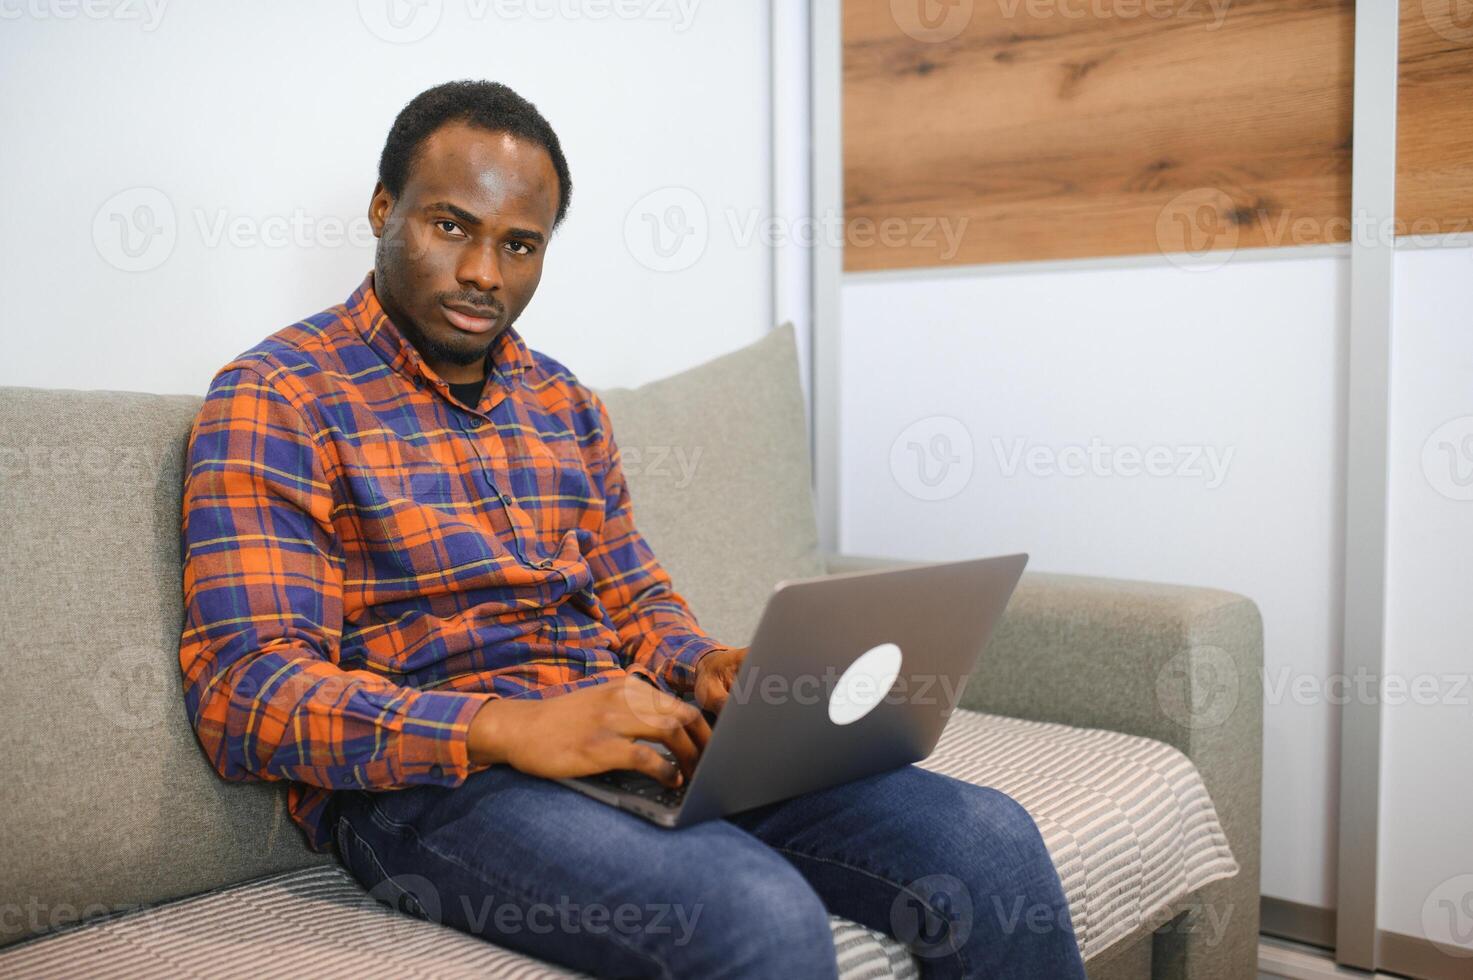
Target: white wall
1425,882
1245,362
275,111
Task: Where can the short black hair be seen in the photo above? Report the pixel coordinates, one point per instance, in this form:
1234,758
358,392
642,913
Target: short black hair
488,105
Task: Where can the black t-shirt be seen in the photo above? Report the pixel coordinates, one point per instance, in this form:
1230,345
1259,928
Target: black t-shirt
468,392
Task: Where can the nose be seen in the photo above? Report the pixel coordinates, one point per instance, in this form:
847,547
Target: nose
480,268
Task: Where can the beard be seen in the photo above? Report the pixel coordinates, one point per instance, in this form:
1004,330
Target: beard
437,345
457,350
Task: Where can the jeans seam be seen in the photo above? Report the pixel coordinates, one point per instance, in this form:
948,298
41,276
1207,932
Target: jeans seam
515,891
961,960
377,864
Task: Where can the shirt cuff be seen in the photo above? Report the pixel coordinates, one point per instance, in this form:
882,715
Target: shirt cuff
679,668
644,673
443,719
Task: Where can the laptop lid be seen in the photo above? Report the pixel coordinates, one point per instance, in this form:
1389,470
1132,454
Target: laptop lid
849,675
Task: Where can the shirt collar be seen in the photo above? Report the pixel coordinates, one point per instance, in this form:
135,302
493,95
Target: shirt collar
509,355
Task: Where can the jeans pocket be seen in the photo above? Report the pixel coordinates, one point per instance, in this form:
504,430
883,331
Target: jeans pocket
361,861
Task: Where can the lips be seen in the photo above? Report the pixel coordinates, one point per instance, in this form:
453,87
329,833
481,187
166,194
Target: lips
470,319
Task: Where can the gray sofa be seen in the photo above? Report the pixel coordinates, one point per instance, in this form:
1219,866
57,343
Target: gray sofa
1124,716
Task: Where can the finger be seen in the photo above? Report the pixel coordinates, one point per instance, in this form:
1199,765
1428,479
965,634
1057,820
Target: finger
678,740
659,717
675,736
699,731
642,758
652,705
616,752
717,691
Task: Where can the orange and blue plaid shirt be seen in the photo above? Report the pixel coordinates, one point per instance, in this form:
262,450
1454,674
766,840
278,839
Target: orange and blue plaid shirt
367,561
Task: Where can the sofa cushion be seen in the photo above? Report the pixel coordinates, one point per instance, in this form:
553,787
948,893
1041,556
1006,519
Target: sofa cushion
318,922
109,801
1126,819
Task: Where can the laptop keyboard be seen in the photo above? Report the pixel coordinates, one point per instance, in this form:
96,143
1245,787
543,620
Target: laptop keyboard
645,787
641,785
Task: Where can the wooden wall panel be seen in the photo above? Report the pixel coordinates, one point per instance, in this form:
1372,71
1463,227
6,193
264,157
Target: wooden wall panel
1051,129
1434,118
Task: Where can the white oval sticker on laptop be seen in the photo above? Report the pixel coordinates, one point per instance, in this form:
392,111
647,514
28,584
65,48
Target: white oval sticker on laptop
864,684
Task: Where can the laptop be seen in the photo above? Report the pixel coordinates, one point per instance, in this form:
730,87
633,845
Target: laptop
846,676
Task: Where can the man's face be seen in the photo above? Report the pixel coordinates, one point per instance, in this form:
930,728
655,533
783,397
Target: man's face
460,250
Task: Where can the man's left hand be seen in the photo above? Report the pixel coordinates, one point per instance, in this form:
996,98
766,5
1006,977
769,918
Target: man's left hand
715,673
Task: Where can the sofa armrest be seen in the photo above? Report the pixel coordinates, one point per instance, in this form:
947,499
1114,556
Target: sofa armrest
1178,664
1175,663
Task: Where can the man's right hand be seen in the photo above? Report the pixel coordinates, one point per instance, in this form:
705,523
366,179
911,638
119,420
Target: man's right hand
591,730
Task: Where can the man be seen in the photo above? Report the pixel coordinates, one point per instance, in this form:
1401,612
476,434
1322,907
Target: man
414,589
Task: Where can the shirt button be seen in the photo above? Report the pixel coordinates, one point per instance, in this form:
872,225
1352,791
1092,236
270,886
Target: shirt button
437,771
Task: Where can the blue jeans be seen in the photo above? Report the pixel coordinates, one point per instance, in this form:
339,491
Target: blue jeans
957,872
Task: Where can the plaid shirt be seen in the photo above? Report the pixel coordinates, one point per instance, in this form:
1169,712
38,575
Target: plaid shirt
367,561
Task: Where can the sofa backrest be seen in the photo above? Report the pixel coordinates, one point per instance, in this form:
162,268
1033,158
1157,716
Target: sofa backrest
109,802
717,463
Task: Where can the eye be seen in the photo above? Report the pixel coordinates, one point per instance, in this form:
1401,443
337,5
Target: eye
447,226
522,245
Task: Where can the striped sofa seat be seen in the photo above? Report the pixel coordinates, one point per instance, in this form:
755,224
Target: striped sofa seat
1126,819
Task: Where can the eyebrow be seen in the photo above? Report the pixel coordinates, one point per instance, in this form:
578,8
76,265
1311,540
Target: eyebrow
465,217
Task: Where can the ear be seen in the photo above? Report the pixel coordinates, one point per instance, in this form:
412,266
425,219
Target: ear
379,207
